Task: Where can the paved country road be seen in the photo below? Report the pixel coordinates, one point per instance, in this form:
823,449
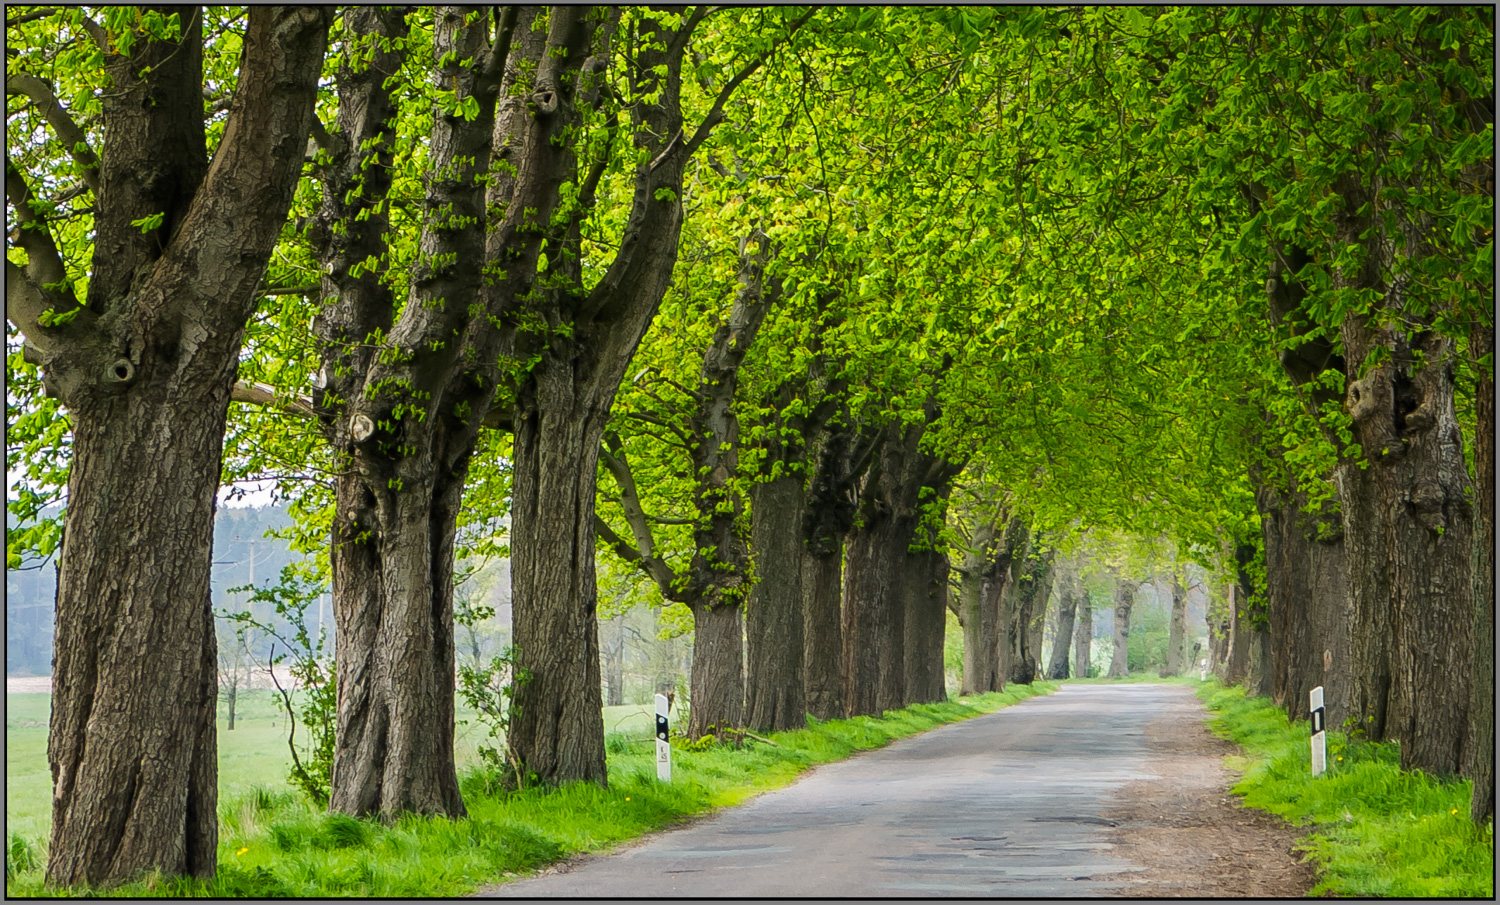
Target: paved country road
1013,804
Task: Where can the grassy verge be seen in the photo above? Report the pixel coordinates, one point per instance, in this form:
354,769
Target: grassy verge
1378,831
273,844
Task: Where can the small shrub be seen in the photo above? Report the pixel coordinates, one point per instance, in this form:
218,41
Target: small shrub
291,597
20,857
491,690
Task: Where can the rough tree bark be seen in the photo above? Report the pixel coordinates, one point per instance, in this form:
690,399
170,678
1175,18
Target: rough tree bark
1237,657
145,371
562,406
1401,402
822,632
403,417
873,618
775,699
1124,600
1040,603
926,626
1083,636
791,621
1481,765
1306,598
1067,609
876,586
827,518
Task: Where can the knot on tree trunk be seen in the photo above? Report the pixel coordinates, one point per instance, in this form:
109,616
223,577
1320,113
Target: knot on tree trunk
545,101
361,428
1426,501
120,371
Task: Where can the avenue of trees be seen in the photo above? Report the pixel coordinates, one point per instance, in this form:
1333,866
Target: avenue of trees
827,323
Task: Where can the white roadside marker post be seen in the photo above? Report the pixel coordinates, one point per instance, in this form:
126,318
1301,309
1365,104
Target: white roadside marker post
1319,737
663,748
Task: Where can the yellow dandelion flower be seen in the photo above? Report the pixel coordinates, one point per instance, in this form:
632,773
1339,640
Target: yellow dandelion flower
242,851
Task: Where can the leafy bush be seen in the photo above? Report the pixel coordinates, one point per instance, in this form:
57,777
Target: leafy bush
316,677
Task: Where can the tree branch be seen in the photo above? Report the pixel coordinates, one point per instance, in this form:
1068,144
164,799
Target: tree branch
97,32
290,290
31,16
72,137
265,394
644,558
42,285
716,112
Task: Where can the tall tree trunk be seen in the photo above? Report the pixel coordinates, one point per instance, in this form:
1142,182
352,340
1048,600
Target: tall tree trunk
1083,636
874,623
926,623
776,699
396,647
1031,571
876,583
1406,422
981,633
1062,640
557,729
1176,630
995,594
1400,398
982,577
1481,763
1124,600
1307,599
1367,604
146,371
1040,601
822,631
1259,682
718,680
1237,658
133,738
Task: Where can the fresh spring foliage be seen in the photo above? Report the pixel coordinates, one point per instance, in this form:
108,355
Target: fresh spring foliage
1376,830
275,845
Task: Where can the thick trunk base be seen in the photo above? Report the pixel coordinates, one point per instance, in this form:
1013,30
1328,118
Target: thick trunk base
718,680
557,720
874,619
926,624
774,615
393,602
133,739
822,658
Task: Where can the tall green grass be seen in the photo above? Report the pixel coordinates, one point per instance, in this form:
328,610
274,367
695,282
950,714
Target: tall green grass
1378,831
273,844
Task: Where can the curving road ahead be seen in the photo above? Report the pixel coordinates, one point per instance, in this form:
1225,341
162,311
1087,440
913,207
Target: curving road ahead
1010,804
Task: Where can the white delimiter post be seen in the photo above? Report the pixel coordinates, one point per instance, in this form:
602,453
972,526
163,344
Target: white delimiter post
663,749
1319,737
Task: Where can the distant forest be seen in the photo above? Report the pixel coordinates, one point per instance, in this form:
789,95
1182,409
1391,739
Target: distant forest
242,555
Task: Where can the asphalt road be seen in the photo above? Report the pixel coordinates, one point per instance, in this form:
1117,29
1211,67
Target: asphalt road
1009,804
